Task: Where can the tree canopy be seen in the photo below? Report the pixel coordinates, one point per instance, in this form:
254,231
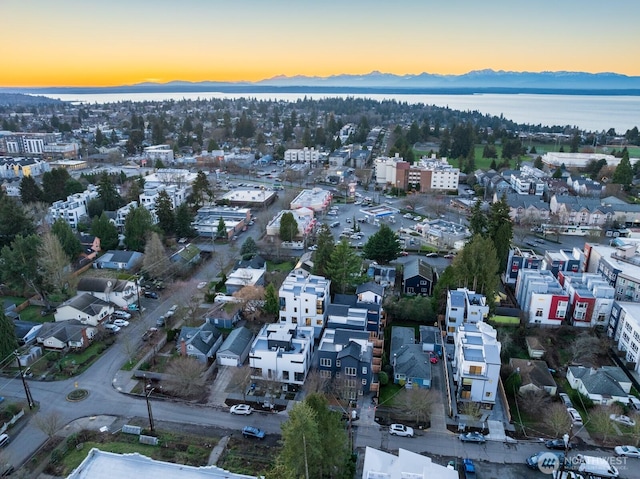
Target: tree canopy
383,246
343,267
288,227
165,213
137,225
68,240
103,228
322,255
623,174
248,249
8,341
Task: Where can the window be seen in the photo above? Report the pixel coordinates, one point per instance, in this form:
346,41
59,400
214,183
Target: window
364,370
285,375
306,310
338,362
364,382
350,371
423,282
539,312
325,362
475,370
488,394
318,322
294,319
295,309
325,374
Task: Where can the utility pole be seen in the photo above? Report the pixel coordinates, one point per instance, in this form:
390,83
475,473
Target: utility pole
27,391
147,392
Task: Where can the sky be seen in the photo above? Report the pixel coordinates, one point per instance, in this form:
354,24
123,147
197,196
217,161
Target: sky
123,42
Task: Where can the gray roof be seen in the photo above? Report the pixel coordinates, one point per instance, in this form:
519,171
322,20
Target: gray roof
257,262
86,303
101,284
534,372
237,341
430,335
400,336
370,286
604,381
63,331
118,256
417,267
412,362
344,336
22,328
202,338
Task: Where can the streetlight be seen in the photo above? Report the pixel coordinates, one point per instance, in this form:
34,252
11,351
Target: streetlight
147,393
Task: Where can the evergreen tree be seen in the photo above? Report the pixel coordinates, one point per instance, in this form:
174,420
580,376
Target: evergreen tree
137,225
68,240
478,219
623,174
53,262
8,341
30,192
476,267
500,229
53,184
248,249
14,221
271,300
321,256
383,246
19,266
288,227
184,221
164,212
73,186
103,228
343,267
201,190
108,193
222,229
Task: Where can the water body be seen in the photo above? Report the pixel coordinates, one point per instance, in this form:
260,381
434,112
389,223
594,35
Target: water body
587,112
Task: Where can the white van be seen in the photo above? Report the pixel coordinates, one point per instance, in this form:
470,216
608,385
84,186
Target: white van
597,466
4,440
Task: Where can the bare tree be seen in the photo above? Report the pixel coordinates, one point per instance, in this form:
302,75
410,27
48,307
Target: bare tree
534,401
49,423
585,347
315,383
600,421
156,262
252,301
129,347
557,419
54,264
416,402
185,377
471,410
242,378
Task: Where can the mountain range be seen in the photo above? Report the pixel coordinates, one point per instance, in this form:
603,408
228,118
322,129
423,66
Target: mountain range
480,81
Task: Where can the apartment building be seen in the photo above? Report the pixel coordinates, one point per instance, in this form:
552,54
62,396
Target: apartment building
464,306
520,259
541,297
17,167
282,353
624,328
525,182
477,364
620,266
74,208
304,300
304,218
163,153
386,170
590,298
149,197
305,155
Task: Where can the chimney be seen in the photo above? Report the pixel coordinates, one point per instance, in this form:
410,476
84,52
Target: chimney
183,347
85,339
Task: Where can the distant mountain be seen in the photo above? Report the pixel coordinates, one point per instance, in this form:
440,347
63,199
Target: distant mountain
480,81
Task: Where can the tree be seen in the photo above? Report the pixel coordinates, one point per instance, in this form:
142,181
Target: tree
500,229
30,192
252,301
53,262
343,266
478,221
623,174
13,221
535,402
164,212
8,341
322,255
288,227
557,419
72,187
222,229
201,190
248,249
600,421
19,270
155,262
185,377
183,222
137,225
53,184
476,267
271,300
108,193
416,308
383,246
68,240
49,422
103,228
417,403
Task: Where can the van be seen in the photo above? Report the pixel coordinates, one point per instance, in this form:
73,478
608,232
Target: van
4,440
597,466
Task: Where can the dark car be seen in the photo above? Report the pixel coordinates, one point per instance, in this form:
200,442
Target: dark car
151,294
557,444
469,469
545,459
250,431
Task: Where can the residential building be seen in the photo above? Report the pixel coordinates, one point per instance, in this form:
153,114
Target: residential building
524,209
303,155
26,331
162,153
418,277
74,208
282,353
27,144
18,167
250,197
122,212
234,351
528,181
63,335
304,218
315,199
119,260
431,339
347,356
577,210
520,259
84,308
430,175
624,328
149,197
411,365
534,376
541,297
304,300
464,306
370,292
386,170
382,275
241,277
590,298
119,292
562,261
201,342
605,385
224,315
207,219
477,364
407,464
188,256
619,264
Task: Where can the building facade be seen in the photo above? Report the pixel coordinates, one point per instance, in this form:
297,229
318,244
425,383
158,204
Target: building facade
304,301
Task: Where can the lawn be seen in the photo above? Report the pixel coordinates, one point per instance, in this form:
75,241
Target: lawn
388,392
284,267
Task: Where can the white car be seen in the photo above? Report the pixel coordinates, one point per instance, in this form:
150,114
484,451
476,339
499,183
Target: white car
576,418
627,451
121,314
172,311
624,420
313,247
202,284
241,409
400,430
112,327
121,323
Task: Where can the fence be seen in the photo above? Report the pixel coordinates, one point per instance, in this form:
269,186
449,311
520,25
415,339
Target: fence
13,420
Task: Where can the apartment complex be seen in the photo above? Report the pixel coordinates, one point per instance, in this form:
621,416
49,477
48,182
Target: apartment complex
74,208
304,300
304,155
464,307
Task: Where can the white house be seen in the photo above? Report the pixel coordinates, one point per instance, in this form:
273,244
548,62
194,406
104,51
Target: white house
604,386
304,300
464,306
407,464
117,291
74,208
304,155
282,353
477,363
84,308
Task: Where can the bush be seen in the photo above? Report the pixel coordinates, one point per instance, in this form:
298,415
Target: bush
383,378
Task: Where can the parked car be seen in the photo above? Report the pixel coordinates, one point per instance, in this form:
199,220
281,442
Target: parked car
4,440
250,431
627,451
404,253
469,469
400,430
431,255
313,247
545,459
576,418
449,256
557,444
473,437
564,397
172,311
433,358
160,322
151,294
121,314
622,419
112,327
241,409
121,323
202,284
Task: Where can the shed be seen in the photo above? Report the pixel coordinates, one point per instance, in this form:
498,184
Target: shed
235,349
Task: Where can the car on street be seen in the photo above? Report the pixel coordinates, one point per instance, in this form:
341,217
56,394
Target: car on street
151,294
576,418
400,430
121,323
407,216
557,444
622,419
469,469
112,327
404,253
472,437
431,255
121,314
433,358
313,247
4,440
627,451
250,431
449,256
172,311
545,459
202,284
241,409
160,322
564,397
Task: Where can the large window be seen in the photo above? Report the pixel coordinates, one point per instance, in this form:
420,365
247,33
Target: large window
350,371
325,362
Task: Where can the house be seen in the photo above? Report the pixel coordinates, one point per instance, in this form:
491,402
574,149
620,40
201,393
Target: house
604,386
242,277
477,364
200,343
100,463
224,315
464,306
120,260
535,349
541,297
347,312
235,349
418,277
188,256
70,334
304,300
85,308
411,365
431,339
382,275
256,262
282,352
26,331
304,266
347,355
534,375
407,464
117,291
10,310
370,292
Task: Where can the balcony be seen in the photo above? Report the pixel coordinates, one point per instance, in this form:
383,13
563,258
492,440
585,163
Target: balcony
374,387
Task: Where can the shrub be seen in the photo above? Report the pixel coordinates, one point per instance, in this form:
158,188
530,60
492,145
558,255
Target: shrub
383,378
